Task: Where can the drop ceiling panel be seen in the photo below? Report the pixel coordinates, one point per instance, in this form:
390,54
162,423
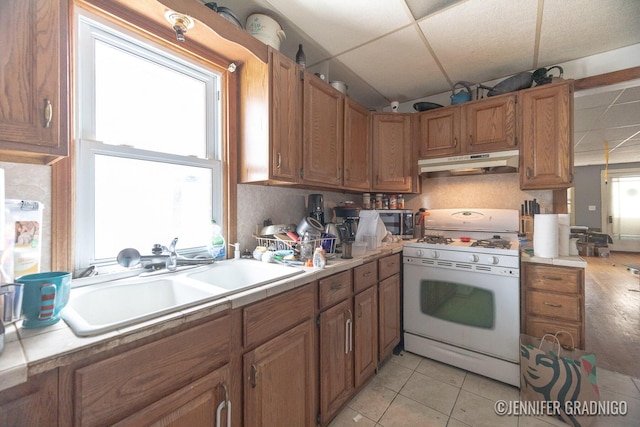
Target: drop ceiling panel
596,100
399,74
339,25
468,44
586,119
579,28
619,115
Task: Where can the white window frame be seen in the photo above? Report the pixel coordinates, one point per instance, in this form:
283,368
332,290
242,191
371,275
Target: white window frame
89,28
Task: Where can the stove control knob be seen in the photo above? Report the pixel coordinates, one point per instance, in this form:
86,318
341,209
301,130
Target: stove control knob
419,252
435,254
494,260
474,258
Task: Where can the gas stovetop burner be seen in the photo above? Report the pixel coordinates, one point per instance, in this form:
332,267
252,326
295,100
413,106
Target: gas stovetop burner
435,239
492,243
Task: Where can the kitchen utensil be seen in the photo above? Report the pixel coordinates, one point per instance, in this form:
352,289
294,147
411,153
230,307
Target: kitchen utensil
340,86
424,106
460,97
43,298
311,225
270,230
514,83
10,302
541,78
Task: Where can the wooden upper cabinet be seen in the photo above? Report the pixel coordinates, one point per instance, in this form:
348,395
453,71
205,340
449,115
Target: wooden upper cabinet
391,146
546,136
270,131
438,132
322,136
34,75
285,117
357,147
490,124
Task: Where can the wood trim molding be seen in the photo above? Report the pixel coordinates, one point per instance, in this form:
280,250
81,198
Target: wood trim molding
607,78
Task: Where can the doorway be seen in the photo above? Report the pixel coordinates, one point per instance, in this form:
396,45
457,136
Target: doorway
620,191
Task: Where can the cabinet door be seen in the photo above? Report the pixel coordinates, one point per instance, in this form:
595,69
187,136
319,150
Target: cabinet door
280,380
336,358
438,132
202,403
323,111
285,118
34,79
546,141
389,317
391,152
34,403
490,125
365,335
357,147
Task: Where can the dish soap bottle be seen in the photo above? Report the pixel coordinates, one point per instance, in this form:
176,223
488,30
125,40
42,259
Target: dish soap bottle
217,247
319,260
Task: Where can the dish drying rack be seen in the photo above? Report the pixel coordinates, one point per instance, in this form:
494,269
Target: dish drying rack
274,244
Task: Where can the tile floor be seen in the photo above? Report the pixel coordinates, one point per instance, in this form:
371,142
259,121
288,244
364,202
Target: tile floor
410,390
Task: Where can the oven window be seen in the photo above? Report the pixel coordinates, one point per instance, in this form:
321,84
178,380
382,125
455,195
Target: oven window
462,304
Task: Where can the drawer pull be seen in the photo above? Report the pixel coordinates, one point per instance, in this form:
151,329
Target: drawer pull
48,113
552,304
336,286
557,279
367,274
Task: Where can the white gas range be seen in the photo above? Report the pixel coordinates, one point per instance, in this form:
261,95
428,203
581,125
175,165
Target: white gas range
462,291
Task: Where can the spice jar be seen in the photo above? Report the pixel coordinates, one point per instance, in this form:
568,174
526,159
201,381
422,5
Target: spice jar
379,201
400,201
393,204
366,201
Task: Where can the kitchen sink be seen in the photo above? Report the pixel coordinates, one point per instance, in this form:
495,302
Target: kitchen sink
243,274
105,307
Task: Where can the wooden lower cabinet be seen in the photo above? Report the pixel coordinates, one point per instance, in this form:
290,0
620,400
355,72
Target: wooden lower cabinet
279,381
389,317
202,403
336,358
148,382
365,335
552,299
34,403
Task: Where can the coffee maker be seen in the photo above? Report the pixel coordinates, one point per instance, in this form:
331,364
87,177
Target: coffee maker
348,216
316,207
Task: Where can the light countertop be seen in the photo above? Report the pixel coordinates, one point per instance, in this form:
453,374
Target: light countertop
31,351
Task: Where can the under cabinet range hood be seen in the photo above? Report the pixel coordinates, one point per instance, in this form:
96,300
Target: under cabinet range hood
469,164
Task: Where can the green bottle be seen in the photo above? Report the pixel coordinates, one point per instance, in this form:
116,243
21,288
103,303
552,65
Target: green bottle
217,246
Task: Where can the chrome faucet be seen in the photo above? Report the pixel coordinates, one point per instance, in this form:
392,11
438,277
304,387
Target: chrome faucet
162,257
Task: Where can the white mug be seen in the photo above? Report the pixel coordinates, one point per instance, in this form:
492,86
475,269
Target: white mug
395,105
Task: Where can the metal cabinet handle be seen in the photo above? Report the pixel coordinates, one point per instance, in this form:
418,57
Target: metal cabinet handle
552,305
254,375
279,162
226,403
470,139
48,113
346,336
350,331
556,278
455,142
529,173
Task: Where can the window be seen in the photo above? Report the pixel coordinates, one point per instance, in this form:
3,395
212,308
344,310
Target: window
148,148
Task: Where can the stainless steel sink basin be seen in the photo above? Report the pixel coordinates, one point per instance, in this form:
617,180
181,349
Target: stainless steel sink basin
243,274
105,307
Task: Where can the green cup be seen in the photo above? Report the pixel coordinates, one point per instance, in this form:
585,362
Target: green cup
43,297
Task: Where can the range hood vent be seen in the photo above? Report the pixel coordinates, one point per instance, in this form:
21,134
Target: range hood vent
471,163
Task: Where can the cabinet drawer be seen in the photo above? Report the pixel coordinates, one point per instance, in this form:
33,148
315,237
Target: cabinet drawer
388,266
109,390
365,276
552,278
334,288
268,318
539,327
558,306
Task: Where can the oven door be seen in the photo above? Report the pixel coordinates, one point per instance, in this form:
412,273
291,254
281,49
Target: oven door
468,309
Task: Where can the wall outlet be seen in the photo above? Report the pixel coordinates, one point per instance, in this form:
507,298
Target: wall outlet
592,208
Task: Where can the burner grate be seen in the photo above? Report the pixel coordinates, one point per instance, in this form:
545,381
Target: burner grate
492,243
435,239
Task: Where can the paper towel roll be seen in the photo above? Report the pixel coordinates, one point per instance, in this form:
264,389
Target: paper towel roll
545,235
564,230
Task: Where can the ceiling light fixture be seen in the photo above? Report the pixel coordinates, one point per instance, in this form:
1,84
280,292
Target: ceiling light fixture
180,23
